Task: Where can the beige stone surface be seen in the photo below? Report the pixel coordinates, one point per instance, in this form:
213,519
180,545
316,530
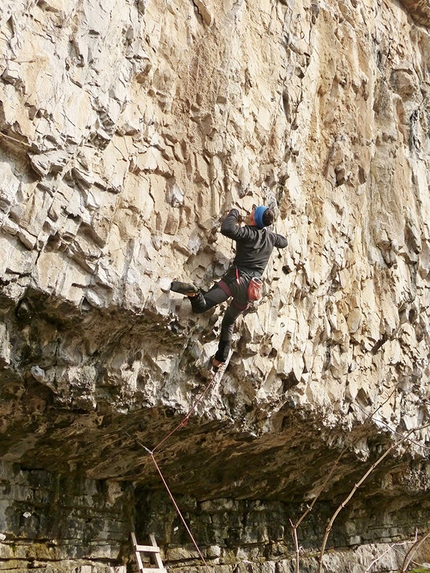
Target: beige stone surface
127,131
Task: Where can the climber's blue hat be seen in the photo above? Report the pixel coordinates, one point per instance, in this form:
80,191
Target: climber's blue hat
258,216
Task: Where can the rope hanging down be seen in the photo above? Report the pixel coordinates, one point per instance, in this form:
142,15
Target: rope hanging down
184,421
179,511
182,424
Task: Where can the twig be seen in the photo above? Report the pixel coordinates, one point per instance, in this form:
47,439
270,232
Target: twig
296,544
400,543
295,526
395,432
347,499
408,556
355,488
309,508
14,139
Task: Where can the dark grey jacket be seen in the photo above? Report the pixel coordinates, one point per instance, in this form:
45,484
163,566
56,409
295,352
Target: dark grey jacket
253,246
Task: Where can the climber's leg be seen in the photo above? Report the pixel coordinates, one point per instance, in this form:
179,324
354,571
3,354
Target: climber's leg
203,301
227,329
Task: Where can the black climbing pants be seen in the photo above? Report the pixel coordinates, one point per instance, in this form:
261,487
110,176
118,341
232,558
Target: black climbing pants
219,293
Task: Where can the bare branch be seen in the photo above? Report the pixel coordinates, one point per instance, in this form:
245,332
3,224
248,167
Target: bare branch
296,545
392,546
14,139
310,507
408,556
355,488
336,463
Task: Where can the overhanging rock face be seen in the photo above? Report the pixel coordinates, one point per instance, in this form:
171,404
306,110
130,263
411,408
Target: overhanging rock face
127,130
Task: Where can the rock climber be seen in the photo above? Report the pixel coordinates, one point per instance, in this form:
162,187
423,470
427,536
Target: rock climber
254,246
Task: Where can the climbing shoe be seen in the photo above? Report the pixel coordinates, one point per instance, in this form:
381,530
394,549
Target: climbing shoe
216,364
187,289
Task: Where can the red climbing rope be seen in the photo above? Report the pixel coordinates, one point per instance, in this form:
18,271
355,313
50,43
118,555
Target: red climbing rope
179,513
184,421
182,424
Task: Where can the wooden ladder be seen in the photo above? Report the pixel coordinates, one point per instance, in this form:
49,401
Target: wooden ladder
153,549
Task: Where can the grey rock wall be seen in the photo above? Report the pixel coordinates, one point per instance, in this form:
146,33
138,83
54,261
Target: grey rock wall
127,130
61,523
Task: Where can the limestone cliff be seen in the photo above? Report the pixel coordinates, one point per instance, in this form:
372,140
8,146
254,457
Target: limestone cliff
128,128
